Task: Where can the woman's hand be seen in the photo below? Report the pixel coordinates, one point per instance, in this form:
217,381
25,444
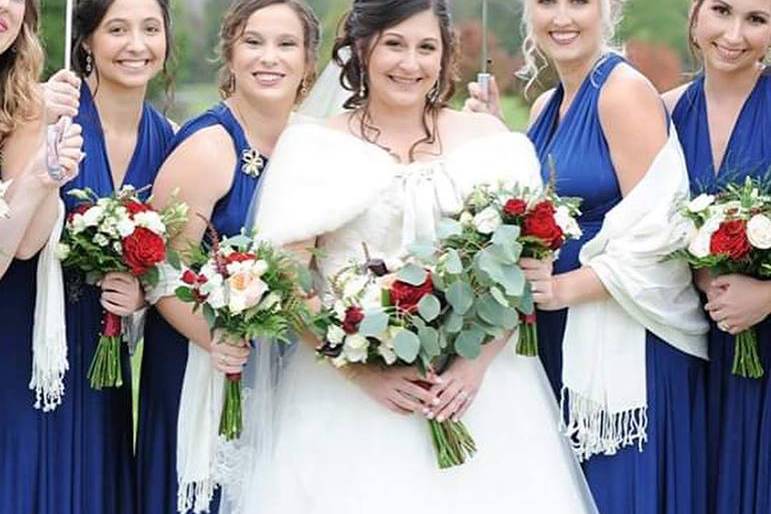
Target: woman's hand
68,153
122,294
479,102
458,388
741,302
62,96
227,357
539,273
396,388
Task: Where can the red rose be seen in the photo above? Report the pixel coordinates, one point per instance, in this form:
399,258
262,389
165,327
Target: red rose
515,207
406,297
731,239
353,316
239,257
134,207
540,223
142,250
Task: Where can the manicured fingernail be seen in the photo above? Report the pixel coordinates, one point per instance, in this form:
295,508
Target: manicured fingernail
426,412
440,419
430,415
439,380
435,401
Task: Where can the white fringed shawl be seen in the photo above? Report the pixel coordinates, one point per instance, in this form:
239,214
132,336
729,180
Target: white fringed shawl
49,334
604,371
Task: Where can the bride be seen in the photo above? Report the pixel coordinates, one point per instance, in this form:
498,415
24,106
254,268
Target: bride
356,440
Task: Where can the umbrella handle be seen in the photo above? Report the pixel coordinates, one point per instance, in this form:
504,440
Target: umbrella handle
54,135
484,79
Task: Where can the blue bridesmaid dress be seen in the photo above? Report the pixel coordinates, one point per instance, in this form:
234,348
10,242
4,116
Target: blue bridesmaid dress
165,350
738,409
79,458
668,476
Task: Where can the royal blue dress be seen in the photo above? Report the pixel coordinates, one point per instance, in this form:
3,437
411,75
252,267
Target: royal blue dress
79,458
165,350
738,409
668,477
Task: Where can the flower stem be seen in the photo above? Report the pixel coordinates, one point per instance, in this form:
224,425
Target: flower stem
231,421
527,342
746,359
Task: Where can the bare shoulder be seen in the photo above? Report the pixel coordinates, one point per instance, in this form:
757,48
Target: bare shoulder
672,97
539,104
628,99
339,121
470,124
206,154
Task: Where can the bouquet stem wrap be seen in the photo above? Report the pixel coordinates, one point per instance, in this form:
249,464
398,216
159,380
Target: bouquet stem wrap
527,342
105,370
231,420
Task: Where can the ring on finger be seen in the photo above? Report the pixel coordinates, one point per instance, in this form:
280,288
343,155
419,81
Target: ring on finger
462,394
725,327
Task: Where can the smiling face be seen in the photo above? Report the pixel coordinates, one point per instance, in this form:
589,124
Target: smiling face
269,60
11,19
129,45
567,31
405,61
733,35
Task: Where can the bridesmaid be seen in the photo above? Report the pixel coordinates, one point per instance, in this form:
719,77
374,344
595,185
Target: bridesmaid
724,121
662,471
268,49
120,46
24,485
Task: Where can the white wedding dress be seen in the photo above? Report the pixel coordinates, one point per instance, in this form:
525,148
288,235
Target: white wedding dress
334,449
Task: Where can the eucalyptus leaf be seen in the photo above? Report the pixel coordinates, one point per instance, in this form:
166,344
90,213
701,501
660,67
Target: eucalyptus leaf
429,342
172,257
406,346
469,343
448,228
496,293
239,241
453,264
460,296
422,250
506,235
429,307
413,275
151,277
453,324
209,315
375,322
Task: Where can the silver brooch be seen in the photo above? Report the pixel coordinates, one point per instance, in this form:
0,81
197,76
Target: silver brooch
252,163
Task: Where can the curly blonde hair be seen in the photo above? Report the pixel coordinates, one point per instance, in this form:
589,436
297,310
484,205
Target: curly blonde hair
536,61
20,69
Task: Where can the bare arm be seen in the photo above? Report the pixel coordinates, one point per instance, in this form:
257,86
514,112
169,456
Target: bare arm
200,173
634,123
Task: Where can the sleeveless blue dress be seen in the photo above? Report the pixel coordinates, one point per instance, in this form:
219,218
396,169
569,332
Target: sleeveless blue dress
79,458
668,475
165,350
739,409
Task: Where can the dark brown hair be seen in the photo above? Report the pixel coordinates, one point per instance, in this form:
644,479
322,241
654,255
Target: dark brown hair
234,24
363,24
20,68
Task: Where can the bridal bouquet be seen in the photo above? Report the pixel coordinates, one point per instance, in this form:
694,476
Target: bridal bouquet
732,234
393,315
539,220
120,233
5,211
248,290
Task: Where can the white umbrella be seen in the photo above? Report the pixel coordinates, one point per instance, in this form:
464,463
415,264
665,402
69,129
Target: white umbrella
484,77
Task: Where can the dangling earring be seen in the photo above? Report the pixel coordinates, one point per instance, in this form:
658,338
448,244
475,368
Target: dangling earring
362,84
89,63
304,88
231,83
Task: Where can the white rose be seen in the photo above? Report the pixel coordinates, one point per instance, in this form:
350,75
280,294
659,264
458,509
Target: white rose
355,348
151,221
246,290
125,227
566,222
759,231
93,216
700,203
699,246
216,298
487,221
62,251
